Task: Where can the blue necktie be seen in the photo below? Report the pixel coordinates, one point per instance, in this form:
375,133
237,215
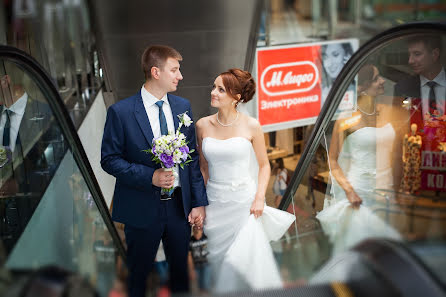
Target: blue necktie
7,128
163,122
163,127
432,97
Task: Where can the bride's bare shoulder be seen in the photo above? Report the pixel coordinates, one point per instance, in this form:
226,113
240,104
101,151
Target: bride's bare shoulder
204,122
252,123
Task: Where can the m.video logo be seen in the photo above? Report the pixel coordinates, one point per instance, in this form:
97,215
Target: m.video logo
289,78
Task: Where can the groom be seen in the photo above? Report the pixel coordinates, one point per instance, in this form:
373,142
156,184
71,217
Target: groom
131,125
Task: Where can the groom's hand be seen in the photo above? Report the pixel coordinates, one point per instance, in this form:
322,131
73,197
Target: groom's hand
163,179
197,216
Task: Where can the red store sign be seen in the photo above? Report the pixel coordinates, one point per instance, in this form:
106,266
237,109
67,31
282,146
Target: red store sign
289,85
300,77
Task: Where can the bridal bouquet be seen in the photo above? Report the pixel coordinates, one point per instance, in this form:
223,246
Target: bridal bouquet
171,149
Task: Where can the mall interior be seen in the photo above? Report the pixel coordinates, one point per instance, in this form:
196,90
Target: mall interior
351,99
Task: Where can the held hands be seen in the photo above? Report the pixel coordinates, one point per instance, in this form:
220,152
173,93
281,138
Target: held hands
354,199
257,207
197,216
163,179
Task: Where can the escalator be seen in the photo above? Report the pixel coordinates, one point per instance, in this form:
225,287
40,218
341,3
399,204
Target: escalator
52,211
386,148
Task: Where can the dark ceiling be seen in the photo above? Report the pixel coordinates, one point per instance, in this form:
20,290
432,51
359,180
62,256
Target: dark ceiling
211,35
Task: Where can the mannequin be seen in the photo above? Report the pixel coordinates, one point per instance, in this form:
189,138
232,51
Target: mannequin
411,180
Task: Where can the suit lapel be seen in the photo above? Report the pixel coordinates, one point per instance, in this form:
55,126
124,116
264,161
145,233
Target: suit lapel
30,116
417,85
142,119
176,110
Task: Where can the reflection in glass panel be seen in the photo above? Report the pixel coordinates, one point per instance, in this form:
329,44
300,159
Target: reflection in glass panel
74,233
361,153
47,214
28,155
379,170
285,22
58,35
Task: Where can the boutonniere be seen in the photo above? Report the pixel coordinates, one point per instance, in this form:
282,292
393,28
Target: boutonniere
408,103
184,120
4,156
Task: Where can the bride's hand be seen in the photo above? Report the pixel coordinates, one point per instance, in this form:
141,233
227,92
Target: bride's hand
354,199
257,207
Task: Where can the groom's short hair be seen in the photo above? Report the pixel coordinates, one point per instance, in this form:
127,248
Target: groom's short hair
156,56
430,41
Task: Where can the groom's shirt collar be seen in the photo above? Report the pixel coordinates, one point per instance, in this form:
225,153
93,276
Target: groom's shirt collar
149,100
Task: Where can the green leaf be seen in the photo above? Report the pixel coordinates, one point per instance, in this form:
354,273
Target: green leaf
191,151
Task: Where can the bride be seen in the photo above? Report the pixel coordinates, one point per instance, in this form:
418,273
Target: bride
360,158
236,171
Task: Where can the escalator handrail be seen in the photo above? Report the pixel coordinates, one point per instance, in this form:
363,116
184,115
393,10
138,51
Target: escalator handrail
339,87
39,75
254,34
403,268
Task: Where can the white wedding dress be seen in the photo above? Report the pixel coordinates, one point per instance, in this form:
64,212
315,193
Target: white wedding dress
365,160
239,250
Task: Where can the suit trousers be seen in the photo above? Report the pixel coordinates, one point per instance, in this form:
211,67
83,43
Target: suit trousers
142,244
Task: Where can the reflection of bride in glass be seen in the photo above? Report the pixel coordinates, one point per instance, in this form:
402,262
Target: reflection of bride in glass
360,161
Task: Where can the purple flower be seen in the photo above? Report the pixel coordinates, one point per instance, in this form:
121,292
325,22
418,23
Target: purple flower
167,160
184,149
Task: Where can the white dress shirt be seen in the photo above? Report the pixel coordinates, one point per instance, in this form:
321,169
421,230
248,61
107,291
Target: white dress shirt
152,111
440,91
16,115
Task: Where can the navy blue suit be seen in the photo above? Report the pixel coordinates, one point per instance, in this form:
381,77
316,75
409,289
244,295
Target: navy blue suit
136,201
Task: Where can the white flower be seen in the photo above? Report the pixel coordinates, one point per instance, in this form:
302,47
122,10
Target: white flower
177,143
177,155
185,119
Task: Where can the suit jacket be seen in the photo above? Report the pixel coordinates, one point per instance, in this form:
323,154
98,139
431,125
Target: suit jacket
32,139
28,172
409,88
127,132
35,121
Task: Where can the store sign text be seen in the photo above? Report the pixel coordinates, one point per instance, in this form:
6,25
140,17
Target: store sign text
433,181
433,160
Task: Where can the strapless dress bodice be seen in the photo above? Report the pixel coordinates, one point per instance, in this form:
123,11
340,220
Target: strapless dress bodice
228,159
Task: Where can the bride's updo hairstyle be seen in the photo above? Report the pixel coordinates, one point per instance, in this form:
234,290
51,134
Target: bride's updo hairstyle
365,77
237,81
